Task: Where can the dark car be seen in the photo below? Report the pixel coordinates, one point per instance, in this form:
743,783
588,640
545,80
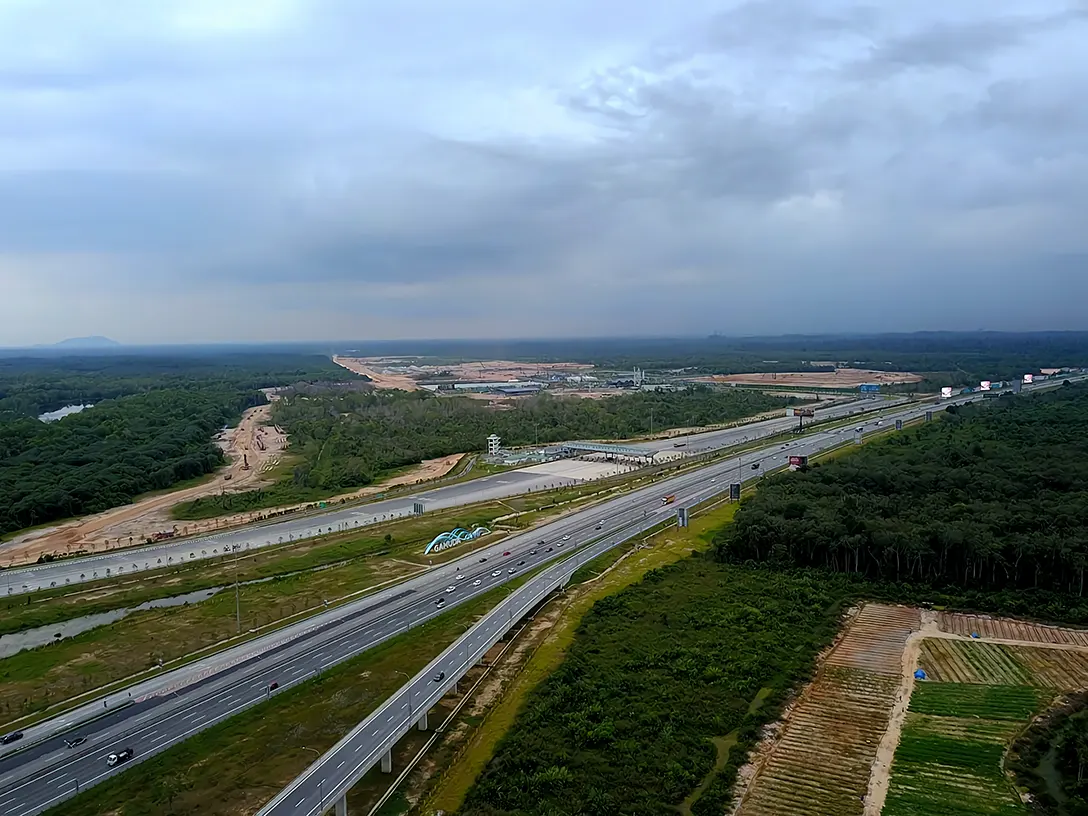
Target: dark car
549,549
507,552
72,743
438,678
14,736
273,686
521,563
755,465
482,560
121,756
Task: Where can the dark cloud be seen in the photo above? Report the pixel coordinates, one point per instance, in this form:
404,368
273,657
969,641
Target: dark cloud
965,44
327,170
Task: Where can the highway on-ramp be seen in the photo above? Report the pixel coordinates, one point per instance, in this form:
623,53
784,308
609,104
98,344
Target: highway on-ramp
179,704
121,563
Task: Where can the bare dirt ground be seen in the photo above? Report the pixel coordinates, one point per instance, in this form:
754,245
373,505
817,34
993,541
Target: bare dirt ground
482,371
840,378
368,367
112,529
885,752
253,448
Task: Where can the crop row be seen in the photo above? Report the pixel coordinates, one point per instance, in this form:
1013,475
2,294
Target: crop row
964,661
952,766
821,765
1065,669
875,640
1008,629
976,700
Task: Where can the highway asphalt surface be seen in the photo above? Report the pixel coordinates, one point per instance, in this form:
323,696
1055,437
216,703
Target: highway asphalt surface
502,485
338,770
183,704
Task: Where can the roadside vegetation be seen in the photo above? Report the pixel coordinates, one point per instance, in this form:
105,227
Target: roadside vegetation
152,426
346,440
606,575
992,498
296,579
236,766
696,652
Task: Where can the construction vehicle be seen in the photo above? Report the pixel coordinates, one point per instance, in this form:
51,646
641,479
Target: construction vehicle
668,499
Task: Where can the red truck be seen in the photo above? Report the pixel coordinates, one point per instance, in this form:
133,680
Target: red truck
668,499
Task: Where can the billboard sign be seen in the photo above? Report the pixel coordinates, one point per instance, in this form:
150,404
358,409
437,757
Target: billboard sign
870,389
984,385
1028,379
681,517
929,416
946,392
798,461
734,492
804,412
899,424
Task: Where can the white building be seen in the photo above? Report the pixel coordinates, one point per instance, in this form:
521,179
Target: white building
493,445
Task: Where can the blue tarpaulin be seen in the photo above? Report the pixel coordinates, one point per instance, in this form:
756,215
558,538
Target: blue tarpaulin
920,674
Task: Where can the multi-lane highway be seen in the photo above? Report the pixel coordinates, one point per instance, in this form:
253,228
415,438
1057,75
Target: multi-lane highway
171,708
325,783
124,562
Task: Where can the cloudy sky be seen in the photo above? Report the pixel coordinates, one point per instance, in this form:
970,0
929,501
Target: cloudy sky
208,170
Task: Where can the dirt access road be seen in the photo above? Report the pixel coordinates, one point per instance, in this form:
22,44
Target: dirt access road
251,443
368,369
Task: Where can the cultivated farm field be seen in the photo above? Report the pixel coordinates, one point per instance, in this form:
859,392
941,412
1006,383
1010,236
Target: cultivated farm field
979,697
821,764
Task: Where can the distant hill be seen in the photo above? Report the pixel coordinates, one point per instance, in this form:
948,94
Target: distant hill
87,342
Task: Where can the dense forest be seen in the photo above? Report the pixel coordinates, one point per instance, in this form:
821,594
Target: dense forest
156,429
348,439
697,653
944,358
31,386
990,497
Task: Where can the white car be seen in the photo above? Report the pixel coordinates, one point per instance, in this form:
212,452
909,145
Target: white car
460,577
451,588
566,538
476,582
496,573
512,570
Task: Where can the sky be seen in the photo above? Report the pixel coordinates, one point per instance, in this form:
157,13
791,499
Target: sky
277,170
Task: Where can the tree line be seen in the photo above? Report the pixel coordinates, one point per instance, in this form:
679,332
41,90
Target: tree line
157,429
990,497
31,386
349,439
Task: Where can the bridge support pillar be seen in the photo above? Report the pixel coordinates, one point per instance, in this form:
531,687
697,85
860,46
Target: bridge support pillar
342,806
423,722
387,761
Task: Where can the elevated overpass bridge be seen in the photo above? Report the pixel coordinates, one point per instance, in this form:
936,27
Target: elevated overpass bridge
630,451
